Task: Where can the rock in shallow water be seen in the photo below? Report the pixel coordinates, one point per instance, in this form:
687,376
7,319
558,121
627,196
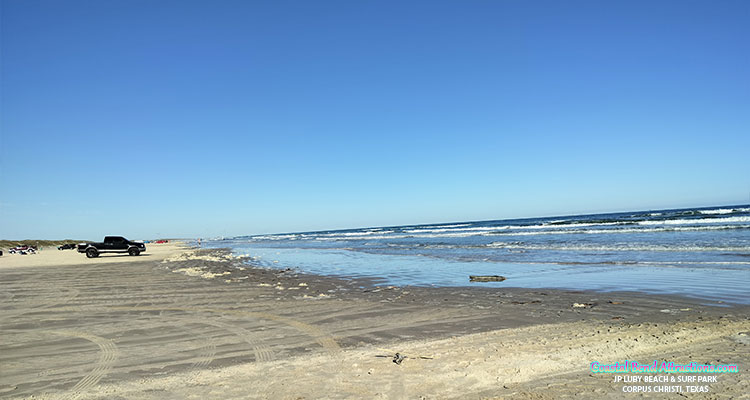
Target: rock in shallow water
486,278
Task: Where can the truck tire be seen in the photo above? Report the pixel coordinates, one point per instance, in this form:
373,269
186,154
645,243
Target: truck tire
92,253
134,251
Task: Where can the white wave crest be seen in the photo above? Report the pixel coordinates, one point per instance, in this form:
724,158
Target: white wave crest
451,226
620,247
717,211
726,220
440,230
623,230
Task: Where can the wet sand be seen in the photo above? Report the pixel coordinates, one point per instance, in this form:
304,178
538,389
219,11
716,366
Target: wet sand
203,324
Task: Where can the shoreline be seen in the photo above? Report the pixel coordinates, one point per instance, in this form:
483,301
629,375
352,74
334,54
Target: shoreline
713,284
200,322
236,270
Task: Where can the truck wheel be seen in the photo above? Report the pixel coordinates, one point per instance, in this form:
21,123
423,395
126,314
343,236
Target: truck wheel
133,251
92,253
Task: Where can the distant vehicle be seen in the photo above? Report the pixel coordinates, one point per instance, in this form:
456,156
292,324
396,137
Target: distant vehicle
23,250
66,246
162,241
112,244
17,249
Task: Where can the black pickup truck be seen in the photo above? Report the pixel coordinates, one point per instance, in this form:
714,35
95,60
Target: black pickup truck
112,244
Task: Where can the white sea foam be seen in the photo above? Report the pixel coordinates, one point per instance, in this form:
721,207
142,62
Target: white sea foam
275,237
351,235
451,226
622,230
368,237
529,230
408,235
356,233
517,227
717,211
725,220
533,232
619,247
439,230
561,226
577,225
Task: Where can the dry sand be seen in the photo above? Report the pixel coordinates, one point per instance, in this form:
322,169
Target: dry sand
51,257
172,324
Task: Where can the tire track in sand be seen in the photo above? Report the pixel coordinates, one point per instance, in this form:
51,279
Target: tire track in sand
261,351
325,340
322,338
108,355
45,293
46,297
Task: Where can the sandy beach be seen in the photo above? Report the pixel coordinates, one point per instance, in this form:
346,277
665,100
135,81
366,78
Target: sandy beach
180,323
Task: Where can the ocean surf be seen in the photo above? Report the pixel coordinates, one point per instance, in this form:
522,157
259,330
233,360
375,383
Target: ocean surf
697,252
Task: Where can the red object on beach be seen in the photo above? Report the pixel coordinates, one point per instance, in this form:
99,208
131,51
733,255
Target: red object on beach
161,241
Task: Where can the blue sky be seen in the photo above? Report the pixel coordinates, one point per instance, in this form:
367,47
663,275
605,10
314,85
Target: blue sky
205,118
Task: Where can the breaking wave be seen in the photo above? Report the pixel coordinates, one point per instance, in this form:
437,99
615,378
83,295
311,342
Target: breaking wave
621,230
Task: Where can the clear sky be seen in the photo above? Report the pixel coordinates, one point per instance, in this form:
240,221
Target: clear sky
204,118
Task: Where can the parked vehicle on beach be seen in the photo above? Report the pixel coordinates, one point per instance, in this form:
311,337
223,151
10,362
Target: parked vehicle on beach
112,244
23,250
66,246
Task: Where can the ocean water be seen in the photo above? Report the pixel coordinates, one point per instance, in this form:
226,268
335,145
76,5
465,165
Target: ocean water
700,252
